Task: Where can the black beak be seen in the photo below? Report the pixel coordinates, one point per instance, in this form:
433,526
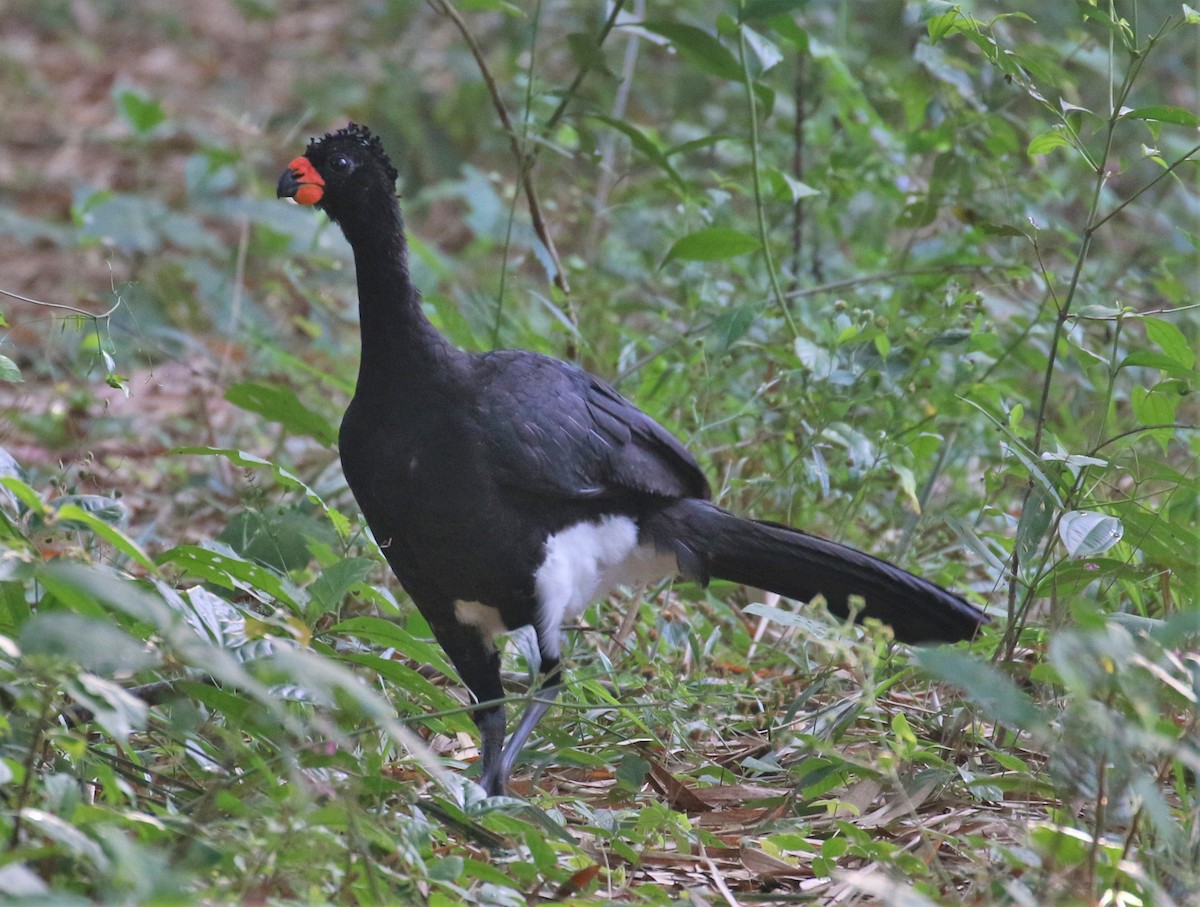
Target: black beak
288,185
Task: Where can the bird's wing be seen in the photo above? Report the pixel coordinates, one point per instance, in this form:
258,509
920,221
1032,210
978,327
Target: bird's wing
550,428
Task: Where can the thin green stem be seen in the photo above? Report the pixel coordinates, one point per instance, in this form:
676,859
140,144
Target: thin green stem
760,211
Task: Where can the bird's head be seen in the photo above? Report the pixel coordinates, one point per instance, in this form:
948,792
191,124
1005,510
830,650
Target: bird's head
345,173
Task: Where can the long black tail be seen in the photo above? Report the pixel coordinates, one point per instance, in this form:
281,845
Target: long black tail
710,543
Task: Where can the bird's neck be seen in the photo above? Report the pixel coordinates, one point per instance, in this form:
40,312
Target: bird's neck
401,350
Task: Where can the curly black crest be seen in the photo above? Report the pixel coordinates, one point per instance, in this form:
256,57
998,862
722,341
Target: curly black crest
363,136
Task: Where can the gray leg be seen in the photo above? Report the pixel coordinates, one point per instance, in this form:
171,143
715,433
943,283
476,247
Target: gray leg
538,706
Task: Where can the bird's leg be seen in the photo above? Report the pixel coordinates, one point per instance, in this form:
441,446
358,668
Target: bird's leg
477,661
543,698
492,775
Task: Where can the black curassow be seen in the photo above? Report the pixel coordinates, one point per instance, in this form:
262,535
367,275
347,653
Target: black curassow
509,489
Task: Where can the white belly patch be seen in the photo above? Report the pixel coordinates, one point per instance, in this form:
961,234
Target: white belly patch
584,562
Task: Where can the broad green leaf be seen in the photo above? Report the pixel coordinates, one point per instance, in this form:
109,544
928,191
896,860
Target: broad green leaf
1162,113
699,47
335,582
711,245
278,403
225,569
95,644
731,325
1047,142
985,685
1168,338
1152,407
1086,533
9,370
1160,361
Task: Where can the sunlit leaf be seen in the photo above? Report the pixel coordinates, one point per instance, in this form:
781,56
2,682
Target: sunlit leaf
1086,533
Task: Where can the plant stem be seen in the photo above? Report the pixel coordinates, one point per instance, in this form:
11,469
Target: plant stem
763,240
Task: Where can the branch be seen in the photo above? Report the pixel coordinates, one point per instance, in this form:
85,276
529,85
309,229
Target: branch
525,161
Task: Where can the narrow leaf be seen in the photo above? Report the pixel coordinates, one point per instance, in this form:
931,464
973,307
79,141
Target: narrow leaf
1163,113
985,685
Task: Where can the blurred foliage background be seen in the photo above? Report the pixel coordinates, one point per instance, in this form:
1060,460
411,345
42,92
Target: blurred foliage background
920,277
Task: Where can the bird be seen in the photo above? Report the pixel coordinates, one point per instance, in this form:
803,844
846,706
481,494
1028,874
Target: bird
509,489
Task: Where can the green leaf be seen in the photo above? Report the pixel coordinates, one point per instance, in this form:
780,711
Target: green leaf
646,146
1162,113
9,370
757,10
1160,361
1034,521
1152,408
1047,142
731,325
278,403
282,476
335,582
510,9
73,513
985,685
94,644
941,25
142,113
994,229
699,47
225,569
1168,338
1086,533
711,245
380,632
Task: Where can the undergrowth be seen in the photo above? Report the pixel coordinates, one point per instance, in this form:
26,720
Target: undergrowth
915,276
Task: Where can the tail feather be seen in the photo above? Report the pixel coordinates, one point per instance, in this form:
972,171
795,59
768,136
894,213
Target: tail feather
709,542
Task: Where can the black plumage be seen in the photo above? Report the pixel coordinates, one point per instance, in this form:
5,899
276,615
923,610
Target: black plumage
508,488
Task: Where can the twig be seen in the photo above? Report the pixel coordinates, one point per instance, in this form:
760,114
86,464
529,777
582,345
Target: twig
523,159
569,94
798,91
763,239
103,316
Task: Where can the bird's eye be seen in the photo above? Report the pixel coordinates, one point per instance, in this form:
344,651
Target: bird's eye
339,163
